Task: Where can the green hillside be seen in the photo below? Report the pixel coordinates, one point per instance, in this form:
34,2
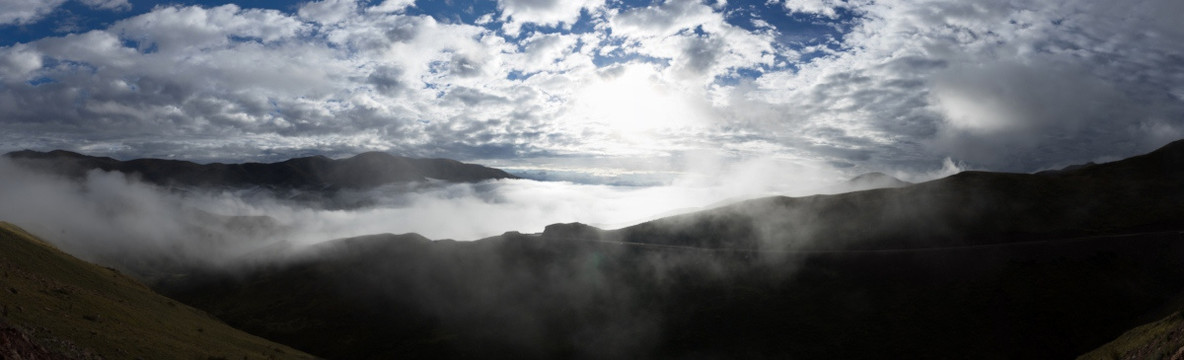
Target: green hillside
72,309
1163,339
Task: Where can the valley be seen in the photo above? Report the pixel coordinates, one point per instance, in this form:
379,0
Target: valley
979,264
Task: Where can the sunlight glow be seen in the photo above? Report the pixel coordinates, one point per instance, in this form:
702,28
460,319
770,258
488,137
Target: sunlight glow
635,103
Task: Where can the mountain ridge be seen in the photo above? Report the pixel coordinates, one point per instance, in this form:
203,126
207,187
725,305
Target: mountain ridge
875,180
968,208
1021,261
993,265
362,171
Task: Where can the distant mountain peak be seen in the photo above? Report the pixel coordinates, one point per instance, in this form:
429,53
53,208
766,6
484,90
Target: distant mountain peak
373,155
1167,160
50,154
874,180
874,176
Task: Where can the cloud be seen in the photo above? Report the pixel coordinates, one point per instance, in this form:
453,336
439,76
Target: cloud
328,12
18,63
546,52
1002,85
515,13
25,12
189,72
21,12
1019,105
827,8
388,6
696,38
186,30
118,5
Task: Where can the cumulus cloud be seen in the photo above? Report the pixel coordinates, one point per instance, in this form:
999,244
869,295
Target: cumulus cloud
188,72
22,12
333,11
515,13
694,36
1001,84
827,8
388,6
18,63
25,12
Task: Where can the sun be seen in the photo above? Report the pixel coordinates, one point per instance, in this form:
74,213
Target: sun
633,102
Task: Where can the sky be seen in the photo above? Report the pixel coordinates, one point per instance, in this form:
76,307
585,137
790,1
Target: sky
600,91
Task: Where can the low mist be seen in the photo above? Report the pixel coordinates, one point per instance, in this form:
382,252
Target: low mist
112,217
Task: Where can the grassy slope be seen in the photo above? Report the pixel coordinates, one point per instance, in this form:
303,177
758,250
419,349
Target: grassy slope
80,309
1163,339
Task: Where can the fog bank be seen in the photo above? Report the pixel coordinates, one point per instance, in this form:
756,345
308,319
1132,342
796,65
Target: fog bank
110,215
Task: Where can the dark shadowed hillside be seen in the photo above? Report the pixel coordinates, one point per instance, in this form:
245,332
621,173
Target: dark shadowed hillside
1142,193
363,171
523,296
54,306
977,265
